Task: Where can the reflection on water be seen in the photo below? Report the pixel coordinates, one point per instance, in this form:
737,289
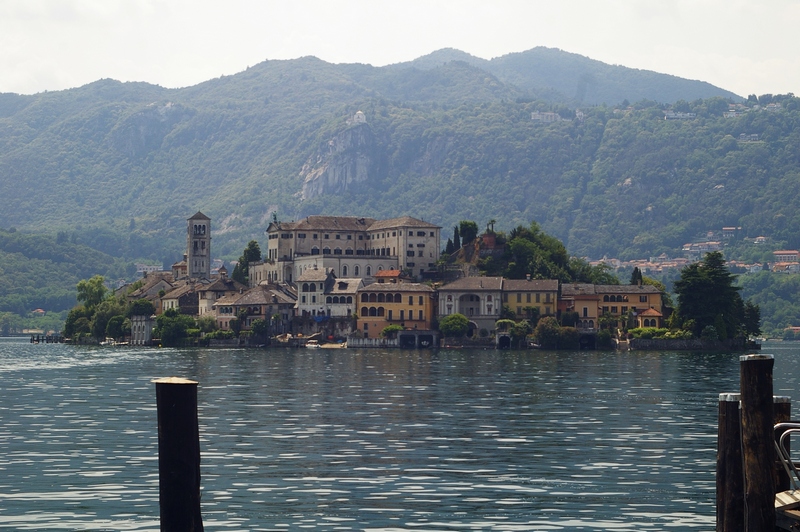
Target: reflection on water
370,440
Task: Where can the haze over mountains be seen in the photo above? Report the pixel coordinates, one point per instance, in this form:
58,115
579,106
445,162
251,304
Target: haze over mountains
447,137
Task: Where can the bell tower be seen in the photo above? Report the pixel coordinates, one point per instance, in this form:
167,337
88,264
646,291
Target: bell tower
198,246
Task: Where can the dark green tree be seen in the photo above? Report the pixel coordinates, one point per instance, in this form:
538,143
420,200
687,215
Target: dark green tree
449,248
752,319
141,307
172,327
706,293
547,332
456,239
468,231
251,253
636,276
454,325
115,327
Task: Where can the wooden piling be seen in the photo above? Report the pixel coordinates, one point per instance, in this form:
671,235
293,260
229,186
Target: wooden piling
758,451
730,478
178,455
782,406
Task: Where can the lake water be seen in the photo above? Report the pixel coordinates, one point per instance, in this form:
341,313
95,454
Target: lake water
371,440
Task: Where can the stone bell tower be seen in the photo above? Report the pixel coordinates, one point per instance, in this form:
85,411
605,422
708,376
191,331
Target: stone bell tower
198,246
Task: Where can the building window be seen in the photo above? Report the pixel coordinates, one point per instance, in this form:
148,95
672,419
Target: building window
642,299
344,270
411,300
519,298
614,310
420,299
338,237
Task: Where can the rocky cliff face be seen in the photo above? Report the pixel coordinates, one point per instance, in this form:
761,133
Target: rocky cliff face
349,158
144,131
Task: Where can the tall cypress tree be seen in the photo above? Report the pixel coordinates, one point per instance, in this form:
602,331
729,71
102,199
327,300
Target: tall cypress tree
456,239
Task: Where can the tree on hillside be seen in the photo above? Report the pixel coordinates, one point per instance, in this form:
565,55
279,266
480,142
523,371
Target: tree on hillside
468,231
456,239
707,297
252,253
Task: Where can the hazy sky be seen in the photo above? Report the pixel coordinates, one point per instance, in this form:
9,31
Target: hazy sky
746,47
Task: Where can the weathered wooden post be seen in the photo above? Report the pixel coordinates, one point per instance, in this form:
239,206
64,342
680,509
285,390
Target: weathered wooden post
758,448
730,479
782,406
178,455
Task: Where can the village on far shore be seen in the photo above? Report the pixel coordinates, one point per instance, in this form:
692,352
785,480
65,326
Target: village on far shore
343,280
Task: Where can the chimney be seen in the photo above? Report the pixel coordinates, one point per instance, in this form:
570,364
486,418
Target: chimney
527,277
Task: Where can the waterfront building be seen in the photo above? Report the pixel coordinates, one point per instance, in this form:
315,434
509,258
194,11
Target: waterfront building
477,298
520,295
410,305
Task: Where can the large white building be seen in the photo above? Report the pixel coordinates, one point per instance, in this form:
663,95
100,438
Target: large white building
349,246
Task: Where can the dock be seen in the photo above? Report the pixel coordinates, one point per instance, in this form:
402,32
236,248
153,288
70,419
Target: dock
758,484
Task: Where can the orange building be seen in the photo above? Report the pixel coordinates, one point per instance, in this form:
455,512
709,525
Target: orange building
409,305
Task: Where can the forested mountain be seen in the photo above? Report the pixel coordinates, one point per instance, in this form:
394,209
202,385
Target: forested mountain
444,140
576,79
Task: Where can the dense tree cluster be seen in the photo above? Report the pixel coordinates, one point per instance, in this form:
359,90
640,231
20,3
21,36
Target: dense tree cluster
531,251
709,303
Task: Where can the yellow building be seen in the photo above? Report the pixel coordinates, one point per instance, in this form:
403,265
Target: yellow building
520,295
409,305
591,302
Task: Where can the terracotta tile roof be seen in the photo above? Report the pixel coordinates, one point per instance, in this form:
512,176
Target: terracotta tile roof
388,274
650,313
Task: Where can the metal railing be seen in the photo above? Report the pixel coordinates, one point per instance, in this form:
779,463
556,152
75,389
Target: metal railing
783,453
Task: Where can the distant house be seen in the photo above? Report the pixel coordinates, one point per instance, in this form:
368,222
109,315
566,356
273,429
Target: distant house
786,267
672,115
545,117
786,255
730,232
